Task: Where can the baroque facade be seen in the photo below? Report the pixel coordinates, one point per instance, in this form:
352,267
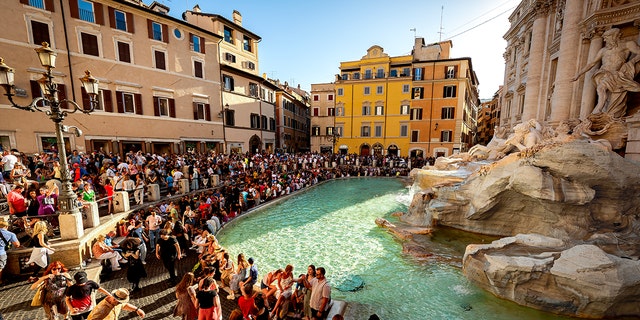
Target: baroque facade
418,105
548,43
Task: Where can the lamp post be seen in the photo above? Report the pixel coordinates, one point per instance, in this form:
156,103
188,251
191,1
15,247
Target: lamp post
49,104
333,138
223,115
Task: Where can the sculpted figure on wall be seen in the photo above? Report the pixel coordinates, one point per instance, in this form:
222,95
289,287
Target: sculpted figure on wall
614,78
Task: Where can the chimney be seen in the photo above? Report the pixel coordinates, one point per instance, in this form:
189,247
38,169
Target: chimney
196,9
237,17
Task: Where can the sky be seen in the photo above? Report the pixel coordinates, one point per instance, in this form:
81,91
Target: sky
304,41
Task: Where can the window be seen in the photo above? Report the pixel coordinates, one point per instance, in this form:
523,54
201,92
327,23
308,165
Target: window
404,109
417,74
85,11
129,102
160,61
380,73
405,88
393,73
450,72
448,113
379,90
329,131
378,131
249,65
230,57
120,20
330,97
345,76
177,33
228,83
367,90
365,131
124,52
200,111
356,76
366,110
331,112
340,111
198,69
415,135
89,44
367,74
416,114
255,121
40,32
315,131
36,3
340,91
418,93
163,107
449,92
406,72
228,34
263,120
196,43
316,97
403,130
272,124
253,89
230,117
379,110
156,31
316,112
445,136
246,43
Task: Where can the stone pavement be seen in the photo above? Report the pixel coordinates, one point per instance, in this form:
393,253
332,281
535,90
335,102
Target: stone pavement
157,297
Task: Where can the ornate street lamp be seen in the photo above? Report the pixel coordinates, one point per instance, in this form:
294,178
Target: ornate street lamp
51,106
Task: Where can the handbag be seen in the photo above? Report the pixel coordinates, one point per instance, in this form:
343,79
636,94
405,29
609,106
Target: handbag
37,298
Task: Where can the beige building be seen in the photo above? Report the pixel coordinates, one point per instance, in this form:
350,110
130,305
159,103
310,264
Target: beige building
549,42
488,118
247,98
323,122
159,76
292,118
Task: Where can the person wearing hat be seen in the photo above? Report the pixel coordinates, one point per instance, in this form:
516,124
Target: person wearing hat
17,202
8,237
79,296
109,308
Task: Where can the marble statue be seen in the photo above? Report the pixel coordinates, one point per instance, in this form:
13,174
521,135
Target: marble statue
615,76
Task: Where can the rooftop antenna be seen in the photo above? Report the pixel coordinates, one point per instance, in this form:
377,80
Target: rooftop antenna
414,32
440,32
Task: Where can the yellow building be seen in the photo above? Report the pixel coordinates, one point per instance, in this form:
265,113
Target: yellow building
419,105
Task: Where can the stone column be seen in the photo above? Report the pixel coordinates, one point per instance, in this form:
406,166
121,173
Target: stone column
632,151
532,101
569,44
589,88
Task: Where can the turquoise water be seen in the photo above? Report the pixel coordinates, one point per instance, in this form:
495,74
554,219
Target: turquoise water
333,225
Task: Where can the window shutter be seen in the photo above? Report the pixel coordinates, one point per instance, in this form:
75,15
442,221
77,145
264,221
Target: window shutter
165,33
195,111
150,28
191,41
138,99
97,7
442,136
207,112
35,89
24,1
62,95
108,104
48,4
130,25
119,102
423,74
202,42
172,108
454,91
112,17
156,106
73,9
86,102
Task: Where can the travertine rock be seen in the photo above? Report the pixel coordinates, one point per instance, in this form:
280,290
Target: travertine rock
574,206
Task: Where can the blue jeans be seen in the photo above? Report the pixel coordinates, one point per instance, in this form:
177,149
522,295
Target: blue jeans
153,235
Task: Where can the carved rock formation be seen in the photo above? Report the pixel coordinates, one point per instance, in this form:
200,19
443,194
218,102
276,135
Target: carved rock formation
574,207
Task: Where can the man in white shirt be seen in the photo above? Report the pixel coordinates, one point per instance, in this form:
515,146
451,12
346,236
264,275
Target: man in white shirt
320,294
154,221
8,161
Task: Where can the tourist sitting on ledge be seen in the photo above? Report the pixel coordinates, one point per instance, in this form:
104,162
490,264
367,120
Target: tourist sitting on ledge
102,251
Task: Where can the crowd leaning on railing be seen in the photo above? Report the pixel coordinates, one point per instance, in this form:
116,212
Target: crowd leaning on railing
180,223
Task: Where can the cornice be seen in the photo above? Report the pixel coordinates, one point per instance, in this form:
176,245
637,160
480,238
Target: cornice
606,18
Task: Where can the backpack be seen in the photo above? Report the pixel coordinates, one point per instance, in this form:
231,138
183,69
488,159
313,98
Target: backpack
7,245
